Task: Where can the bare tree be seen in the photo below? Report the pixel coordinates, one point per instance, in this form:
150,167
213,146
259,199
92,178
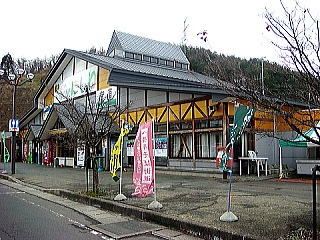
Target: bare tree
89,121
296,98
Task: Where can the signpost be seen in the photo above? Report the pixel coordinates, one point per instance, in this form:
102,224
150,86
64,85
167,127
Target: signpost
14,125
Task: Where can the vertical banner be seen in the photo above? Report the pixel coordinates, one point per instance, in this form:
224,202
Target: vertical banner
81,153
115,161
25,152
6,151
30,150
143,175
242,118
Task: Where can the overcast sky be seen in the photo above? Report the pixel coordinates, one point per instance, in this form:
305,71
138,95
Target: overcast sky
39,28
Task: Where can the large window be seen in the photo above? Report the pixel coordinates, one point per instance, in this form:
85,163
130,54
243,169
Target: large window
180,126
65,150
160,127
207,143
213,123
181,146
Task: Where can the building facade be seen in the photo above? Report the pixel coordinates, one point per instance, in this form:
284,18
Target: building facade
192,118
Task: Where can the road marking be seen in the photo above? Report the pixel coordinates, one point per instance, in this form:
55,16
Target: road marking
7,193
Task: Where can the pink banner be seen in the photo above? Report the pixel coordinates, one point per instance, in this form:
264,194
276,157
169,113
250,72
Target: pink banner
143,175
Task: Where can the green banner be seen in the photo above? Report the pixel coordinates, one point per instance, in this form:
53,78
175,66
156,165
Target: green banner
242,117
6,151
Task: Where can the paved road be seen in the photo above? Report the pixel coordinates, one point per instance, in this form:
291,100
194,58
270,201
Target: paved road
265,208
28,213
24,216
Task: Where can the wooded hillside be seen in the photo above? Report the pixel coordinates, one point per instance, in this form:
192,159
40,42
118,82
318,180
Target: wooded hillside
202,61
24,101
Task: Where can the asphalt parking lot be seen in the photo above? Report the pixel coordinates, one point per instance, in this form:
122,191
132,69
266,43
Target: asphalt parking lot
266,208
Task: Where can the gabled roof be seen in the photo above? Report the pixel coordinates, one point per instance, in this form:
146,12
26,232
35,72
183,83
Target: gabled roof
65,116
33,132
133,73
48,124
145,46
136,74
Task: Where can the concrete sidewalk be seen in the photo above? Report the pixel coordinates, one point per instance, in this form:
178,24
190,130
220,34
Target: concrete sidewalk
191,201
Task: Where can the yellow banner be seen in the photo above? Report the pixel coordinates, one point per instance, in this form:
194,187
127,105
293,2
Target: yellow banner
115,162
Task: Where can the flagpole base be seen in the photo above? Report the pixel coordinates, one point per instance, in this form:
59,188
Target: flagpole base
228,217
120,197
155,205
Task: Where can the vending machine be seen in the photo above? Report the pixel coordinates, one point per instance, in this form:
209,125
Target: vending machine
81,152
47,152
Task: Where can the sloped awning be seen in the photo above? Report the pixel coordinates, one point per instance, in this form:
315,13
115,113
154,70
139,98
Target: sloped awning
302,141
33,132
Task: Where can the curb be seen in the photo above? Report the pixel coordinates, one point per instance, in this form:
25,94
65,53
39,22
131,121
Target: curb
193,228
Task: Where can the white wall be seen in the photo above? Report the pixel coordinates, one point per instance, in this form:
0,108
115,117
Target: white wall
269,147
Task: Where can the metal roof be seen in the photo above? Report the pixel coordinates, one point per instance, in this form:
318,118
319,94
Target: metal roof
33,132
143,74
145,46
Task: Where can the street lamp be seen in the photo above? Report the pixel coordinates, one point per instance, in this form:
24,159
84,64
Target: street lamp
15,77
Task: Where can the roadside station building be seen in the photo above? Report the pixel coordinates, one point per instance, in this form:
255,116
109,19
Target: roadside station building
192,118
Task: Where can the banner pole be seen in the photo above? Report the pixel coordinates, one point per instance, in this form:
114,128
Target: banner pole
155,204
232,159
154,161
229,216
121,149
120,196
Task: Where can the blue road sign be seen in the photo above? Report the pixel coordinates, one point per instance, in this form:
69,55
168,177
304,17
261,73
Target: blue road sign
14,125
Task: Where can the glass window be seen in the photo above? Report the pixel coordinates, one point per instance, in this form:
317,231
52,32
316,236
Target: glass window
174,126
180,126
154,60
202,124
146,58
181,146
184,66
207,143
161,127
170,63
215,123
138,57
186,125
162,61
178,65
129,55
65,150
